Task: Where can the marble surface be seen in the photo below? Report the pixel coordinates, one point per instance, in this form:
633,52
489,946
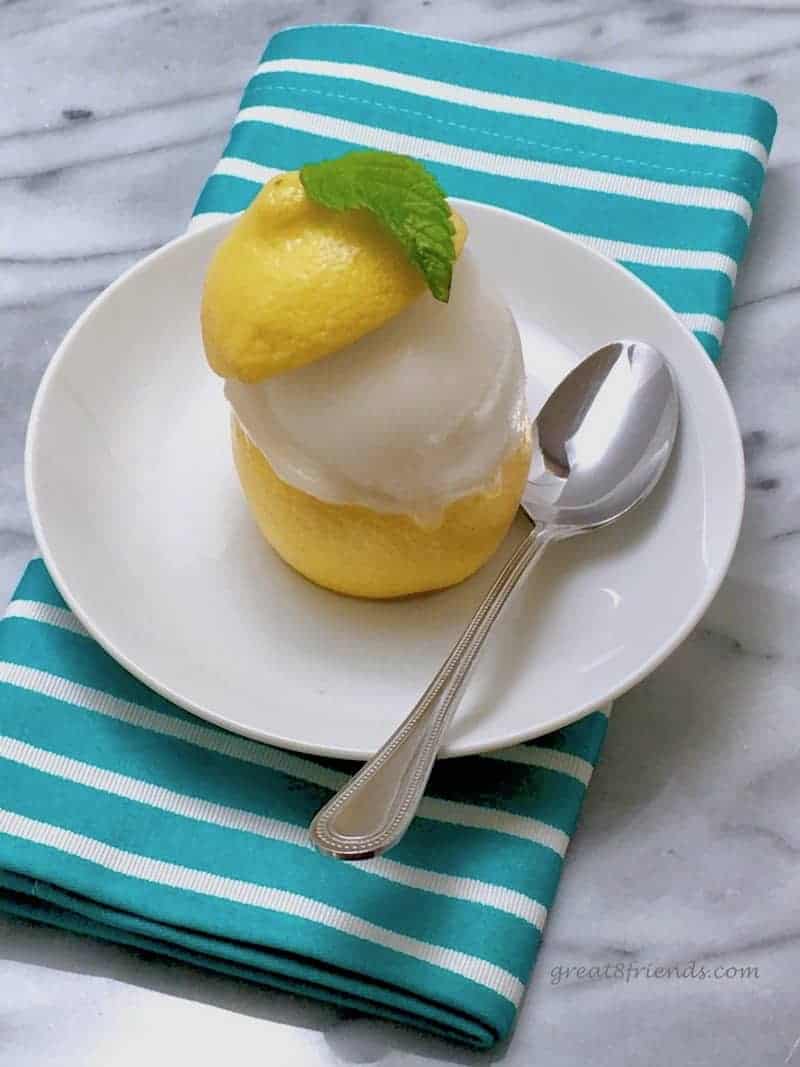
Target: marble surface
689,848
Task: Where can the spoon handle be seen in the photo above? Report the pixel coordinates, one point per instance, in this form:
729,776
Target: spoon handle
373,810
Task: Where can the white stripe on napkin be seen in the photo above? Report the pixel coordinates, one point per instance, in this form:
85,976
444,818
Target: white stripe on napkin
655,256
160,872
36,611
549,759
708,323
492,163
515,105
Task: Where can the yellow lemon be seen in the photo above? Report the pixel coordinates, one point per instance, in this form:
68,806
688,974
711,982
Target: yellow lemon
294,281
366,553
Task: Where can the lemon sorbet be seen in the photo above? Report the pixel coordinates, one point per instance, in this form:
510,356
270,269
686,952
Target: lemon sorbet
375,378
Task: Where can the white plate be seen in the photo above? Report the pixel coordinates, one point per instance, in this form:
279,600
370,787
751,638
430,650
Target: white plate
141,522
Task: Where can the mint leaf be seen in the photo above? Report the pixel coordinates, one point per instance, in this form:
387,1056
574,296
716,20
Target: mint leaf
403,195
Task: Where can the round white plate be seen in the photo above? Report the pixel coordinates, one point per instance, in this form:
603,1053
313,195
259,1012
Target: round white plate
140,519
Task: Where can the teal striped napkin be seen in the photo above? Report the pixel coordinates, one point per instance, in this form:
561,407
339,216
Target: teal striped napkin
127,819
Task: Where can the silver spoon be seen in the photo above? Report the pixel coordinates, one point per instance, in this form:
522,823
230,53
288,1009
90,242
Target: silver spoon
601,442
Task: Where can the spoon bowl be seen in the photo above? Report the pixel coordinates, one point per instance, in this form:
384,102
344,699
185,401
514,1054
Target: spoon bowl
603,438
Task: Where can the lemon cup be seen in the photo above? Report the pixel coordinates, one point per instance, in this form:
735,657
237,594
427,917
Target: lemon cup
367,553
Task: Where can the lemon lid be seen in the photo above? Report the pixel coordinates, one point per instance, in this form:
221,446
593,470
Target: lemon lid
295,281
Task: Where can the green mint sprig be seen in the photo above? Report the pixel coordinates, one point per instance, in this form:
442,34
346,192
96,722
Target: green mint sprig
403,195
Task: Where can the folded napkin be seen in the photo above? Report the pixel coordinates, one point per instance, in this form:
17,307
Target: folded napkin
127,819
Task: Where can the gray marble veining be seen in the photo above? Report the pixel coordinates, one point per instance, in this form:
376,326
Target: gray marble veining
689,848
